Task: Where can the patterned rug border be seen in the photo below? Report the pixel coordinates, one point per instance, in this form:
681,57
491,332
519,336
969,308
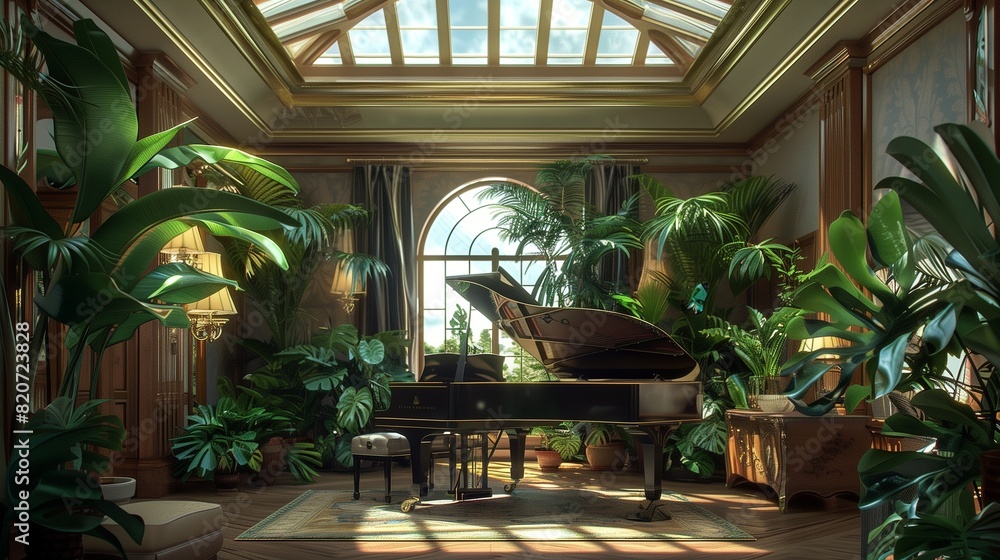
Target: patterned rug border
734,533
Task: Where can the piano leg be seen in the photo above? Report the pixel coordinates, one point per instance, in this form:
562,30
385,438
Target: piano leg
515,437
652,439
420,458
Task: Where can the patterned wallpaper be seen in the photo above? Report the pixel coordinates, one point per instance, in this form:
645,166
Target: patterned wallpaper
918,89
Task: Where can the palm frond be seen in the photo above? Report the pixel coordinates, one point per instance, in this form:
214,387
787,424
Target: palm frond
18,57
80,253
756,198
262,188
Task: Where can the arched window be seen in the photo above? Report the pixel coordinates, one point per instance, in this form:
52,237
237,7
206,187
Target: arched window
461,237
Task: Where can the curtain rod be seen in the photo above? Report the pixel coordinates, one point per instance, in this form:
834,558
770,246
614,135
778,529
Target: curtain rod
420,161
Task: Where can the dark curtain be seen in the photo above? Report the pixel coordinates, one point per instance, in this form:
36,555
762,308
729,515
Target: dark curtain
389,304
610,185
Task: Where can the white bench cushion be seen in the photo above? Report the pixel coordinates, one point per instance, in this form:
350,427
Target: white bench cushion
380,444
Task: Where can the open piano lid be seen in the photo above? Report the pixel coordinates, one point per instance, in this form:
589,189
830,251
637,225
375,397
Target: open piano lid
575,342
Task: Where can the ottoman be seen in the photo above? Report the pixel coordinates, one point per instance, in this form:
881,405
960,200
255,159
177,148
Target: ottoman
381,446
175,530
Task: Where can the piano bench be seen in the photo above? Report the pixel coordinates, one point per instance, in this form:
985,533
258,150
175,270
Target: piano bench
382,446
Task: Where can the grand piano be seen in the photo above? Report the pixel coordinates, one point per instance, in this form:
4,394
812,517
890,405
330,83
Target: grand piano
613,368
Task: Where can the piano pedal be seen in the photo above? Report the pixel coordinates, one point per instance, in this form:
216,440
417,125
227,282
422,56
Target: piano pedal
473,493
408,505
648,513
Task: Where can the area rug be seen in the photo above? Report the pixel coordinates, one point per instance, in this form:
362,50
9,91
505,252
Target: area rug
527,514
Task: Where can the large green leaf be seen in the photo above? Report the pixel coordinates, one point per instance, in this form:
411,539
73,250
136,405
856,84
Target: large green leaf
179,283
181,156
890,241
89,36
978,161
849,243
371,351
143,150
937,178
25,208
80,298
127,225
354,409
95,127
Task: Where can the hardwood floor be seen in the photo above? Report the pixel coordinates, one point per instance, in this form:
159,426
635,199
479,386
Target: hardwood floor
812,528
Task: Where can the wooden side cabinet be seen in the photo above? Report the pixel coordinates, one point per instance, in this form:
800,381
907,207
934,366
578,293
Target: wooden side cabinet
792,453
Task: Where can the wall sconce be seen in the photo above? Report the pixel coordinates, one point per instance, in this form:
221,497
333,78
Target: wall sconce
347,287
185,248
209,315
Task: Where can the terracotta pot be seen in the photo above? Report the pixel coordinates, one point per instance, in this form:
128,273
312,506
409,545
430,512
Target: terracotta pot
548,460
609,456
272,460
227,480
990,463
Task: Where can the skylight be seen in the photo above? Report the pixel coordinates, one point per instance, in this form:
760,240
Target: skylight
500,33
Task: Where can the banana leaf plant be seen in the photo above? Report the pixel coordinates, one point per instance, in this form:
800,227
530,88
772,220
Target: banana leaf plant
928,301
103,281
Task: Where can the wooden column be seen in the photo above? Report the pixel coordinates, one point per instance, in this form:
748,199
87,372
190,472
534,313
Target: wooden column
150,392
839,75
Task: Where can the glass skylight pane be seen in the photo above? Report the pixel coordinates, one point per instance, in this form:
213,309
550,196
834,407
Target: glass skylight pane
655,56
519,13
617,42
375,21
419,42
372,61
611,21
331,56
369,42
567,41
571,13
468,13
427,60
475,61
469,42
416,13
566,60
613,60
517,61
515,42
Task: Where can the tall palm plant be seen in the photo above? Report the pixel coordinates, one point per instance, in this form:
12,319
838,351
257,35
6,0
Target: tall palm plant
557,223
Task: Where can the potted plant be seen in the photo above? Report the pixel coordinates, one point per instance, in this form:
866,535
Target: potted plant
928,297
221,442
606,446
101,280
556,444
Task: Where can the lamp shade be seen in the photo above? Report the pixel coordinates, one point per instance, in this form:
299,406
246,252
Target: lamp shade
187,242
821,342
219,303
345,282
